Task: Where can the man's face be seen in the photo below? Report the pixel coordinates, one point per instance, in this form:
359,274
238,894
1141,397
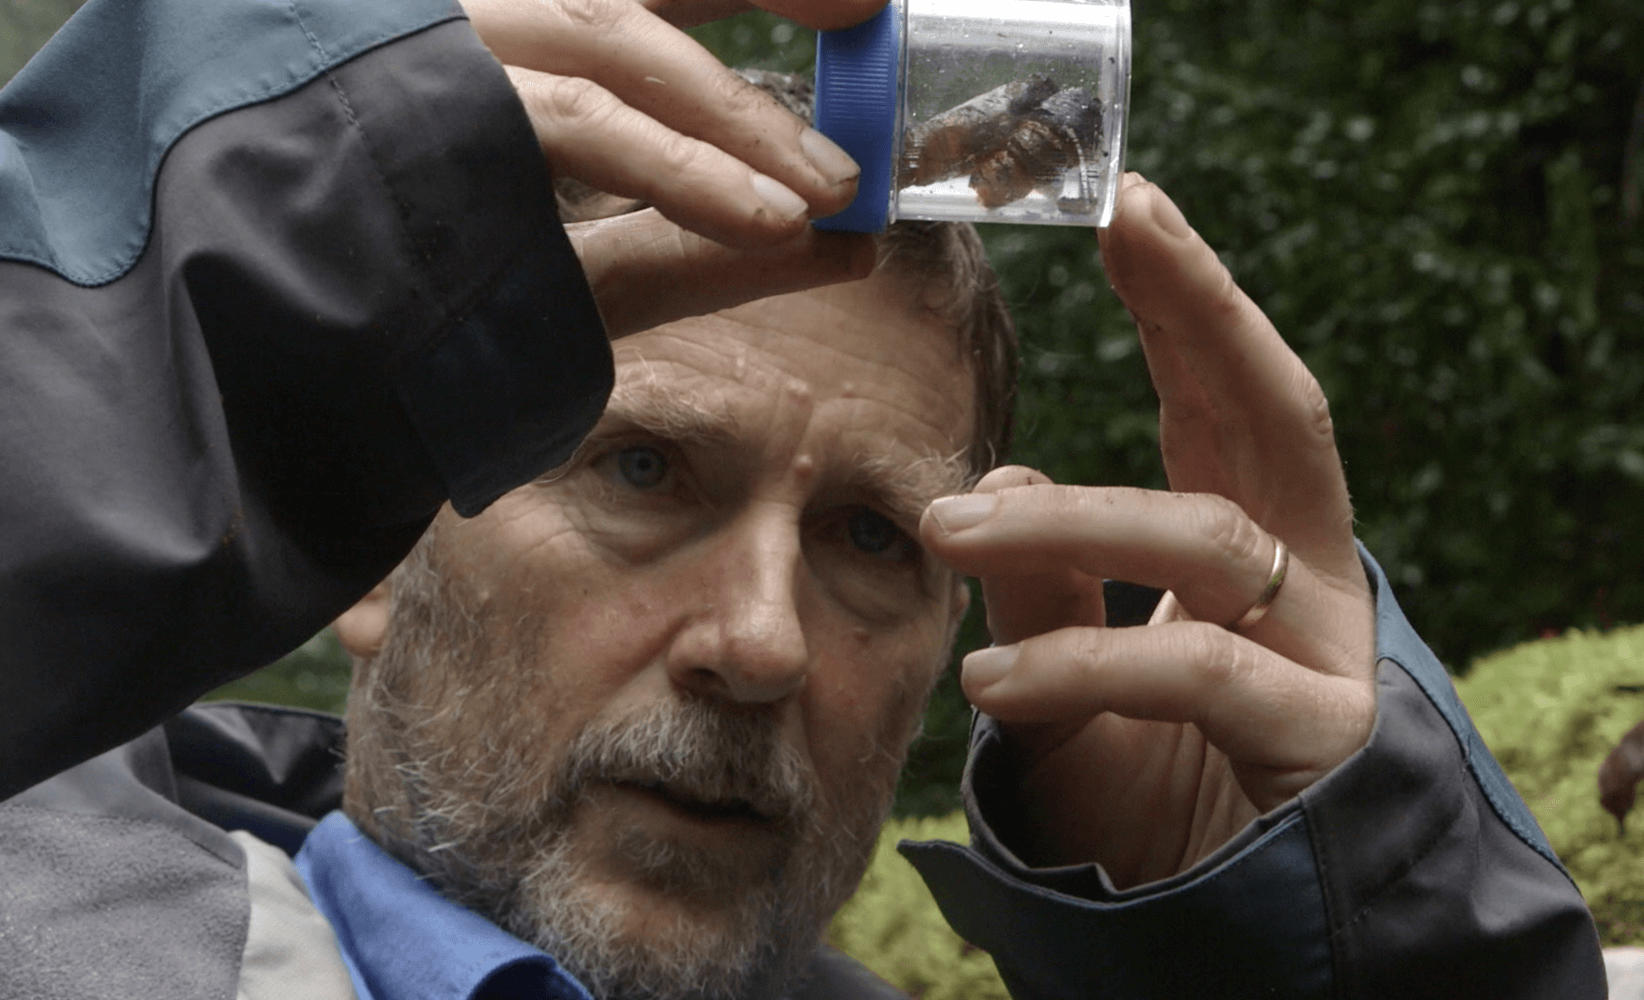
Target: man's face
653,705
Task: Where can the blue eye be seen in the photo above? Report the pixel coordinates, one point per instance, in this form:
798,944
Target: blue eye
873,532
642,468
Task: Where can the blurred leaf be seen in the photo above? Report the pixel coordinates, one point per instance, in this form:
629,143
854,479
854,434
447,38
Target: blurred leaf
1425,199
314,675
758,40
25,25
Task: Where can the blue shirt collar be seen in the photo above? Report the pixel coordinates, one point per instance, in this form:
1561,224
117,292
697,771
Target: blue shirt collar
402,940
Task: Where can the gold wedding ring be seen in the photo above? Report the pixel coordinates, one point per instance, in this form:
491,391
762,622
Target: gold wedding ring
1275,580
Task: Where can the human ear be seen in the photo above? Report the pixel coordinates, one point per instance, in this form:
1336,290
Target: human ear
956,615
961,599
363,627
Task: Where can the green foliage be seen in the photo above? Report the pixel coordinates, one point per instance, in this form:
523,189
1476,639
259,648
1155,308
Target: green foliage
893,926
757,40
314,675
24,27
1429,199
1550,711
1425,197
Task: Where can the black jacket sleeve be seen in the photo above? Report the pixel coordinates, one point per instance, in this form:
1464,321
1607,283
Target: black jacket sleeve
276,280
1413,870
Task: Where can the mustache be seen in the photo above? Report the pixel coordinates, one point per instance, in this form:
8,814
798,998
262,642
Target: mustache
703,757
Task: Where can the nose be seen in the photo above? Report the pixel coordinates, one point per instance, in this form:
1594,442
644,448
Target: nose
746,642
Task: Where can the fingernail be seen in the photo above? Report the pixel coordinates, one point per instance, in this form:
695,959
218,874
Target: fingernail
776,195
1169,218
833,163
954,514
987,667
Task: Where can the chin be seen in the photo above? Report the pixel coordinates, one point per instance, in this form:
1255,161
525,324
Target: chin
647,937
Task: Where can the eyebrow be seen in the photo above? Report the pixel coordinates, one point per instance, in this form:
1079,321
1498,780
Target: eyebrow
904,481
907,485
672,415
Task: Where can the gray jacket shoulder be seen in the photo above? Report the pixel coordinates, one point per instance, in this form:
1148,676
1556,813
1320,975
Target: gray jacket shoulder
123,879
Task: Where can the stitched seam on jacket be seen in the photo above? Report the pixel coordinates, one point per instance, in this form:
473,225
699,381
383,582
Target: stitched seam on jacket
1467,738
1322,859
451,317
1411,863
1345,973
1470,744
370,147
436,331
313,43
26,255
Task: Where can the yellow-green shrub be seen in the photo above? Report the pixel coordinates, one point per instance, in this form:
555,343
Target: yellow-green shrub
1550,711
893,927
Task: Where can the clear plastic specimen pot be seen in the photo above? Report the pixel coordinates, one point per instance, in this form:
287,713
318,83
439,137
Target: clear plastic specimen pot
979,110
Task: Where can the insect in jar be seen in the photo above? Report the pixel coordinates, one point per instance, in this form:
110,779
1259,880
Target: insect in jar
1014,139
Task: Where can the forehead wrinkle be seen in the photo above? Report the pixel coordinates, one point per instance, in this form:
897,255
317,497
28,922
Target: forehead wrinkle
929,401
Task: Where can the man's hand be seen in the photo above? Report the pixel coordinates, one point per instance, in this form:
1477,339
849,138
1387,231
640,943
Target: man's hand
646,271
823,15
625,102
1147,748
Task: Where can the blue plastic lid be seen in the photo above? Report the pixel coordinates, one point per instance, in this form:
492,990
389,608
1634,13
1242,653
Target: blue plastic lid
857,73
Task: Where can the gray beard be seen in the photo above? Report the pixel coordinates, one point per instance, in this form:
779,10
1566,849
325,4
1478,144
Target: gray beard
475,809
514,860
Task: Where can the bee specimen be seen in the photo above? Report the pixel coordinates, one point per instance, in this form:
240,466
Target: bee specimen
1018,137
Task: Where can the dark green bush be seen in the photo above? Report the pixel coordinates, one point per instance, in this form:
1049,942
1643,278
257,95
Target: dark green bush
314,675
1428,198
1434,202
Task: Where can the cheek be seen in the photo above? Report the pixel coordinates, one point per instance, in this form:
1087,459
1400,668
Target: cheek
562,633
864,702
585,644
